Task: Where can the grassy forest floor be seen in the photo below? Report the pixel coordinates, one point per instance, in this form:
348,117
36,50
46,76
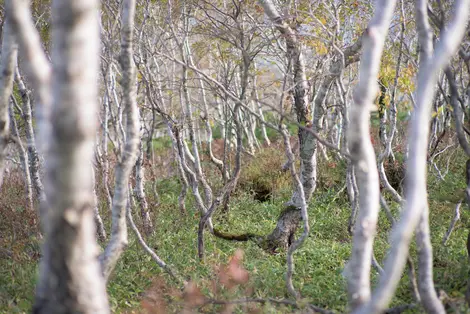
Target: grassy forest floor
138,283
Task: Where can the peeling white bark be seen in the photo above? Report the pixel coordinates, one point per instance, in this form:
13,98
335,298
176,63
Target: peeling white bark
139,190
33,156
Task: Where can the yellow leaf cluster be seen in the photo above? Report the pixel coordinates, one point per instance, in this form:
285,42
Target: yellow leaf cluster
317,45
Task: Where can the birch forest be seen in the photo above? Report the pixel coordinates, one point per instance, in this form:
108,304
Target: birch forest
234,156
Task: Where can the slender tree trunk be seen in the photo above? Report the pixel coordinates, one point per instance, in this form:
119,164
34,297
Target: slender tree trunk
40,70
288,222
33,156
171,133
351,184
200,177
145,246
23,157
427,292
290,218
260,108
36,64
206,118
429,298
101,231
416,165
118,242
104,156
7,70
182,173
140,191
462,138
363,156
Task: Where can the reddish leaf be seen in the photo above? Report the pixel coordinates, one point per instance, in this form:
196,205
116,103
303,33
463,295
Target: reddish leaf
192,295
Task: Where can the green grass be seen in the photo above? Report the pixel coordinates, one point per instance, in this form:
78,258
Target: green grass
319,263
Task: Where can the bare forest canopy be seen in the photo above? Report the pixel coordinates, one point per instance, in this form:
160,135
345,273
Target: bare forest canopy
234,156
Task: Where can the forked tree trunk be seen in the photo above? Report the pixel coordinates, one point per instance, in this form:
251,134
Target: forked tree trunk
416,190
290,217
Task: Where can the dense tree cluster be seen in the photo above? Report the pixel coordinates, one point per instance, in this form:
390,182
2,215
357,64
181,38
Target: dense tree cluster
86,87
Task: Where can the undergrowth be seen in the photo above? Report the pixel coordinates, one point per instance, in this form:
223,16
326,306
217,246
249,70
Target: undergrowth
138,284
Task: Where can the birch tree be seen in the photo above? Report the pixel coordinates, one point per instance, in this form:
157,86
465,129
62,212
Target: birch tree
429,298
287,223
415,196
23,155
33,154
119,240
69,277
7,68
363,155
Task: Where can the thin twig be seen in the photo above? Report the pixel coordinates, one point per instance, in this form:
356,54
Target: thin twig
268,300
147,249
452,223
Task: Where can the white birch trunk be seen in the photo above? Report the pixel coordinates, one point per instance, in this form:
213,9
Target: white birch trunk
33,156
185,54
259,107
139,191
100,230
36,63
206,119
306,139
429,298
119,241
7,68
23,158
105,161
416,192
363,155
70,278
40,70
